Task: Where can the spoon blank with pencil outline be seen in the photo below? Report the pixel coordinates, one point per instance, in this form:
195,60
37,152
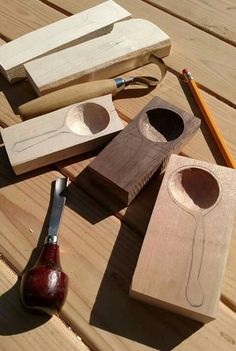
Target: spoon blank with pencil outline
196,191
84,119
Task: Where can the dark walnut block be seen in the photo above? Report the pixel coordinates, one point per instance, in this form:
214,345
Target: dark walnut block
124,166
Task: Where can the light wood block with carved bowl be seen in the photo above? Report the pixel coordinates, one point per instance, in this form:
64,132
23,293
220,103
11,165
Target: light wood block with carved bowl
64,133
183,257
129,161
62,34
130,44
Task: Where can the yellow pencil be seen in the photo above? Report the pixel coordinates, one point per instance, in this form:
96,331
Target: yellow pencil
209,120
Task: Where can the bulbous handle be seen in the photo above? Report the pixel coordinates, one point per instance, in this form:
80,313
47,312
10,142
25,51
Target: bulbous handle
44,287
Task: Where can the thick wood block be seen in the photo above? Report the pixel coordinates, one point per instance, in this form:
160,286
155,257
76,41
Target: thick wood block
183,257
129,161
128,45
64,133
67,32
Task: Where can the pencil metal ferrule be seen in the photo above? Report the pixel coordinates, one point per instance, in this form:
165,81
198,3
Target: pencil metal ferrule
188,76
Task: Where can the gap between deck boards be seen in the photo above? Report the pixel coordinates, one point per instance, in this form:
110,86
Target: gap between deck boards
14,270
182,18
189,21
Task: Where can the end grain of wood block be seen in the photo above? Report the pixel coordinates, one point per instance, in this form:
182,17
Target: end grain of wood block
129,161
61,134
67,32
183,257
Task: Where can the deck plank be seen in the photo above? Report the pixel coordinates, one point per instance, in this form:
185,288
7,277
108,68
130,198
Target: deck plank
214,17
20,17
200,147
99,254
20,330
203,53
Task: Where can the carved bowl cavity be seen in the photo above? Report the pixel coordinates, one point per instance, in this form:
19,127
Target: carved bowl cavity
161,125
194,189
87,119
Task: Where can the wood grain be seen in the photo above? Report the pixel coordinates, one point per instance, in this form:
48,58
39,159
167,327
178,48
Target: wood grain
15,322
183,257
62,34
137,215
203,53
7,116
132,157
20,17
218,335
63,133
99,255
128,45
214,17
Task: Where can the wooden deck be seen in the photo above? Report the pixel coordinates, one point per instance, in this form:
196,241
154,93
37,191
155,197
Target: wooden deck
99,250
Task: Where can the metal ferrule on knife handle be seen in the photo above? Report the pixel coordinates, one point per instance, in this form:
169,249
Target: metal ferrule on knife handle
59,199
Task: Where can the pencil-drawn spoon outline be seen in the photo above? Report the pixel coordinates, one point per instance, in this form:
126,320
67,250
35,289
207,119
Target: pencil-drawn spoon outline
199,220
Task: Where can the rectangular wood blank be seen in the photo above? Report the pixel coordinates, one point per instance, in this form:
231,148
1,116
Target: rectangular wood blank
67,32
128,45
131,158
64,133
182,261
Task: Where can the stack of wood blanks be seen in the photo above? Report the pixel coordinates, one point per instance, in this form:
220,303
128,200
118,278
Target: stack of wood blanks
68,44
56,36
130,44
182,261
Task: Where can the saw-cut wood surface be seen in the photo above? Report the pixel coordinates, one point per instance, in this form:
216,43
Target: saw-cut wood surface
15,323
214,17
114,330
63,133
126,164
59,35
182,261
129,44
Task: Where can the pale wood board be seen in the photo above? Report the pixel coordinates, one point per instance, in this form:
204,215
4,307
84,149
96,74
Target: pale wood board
55,136
42,332
17,94
214,17
182,261
219,334
200,147
59,35
129,45
99,255
133,105
20,17
191,47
